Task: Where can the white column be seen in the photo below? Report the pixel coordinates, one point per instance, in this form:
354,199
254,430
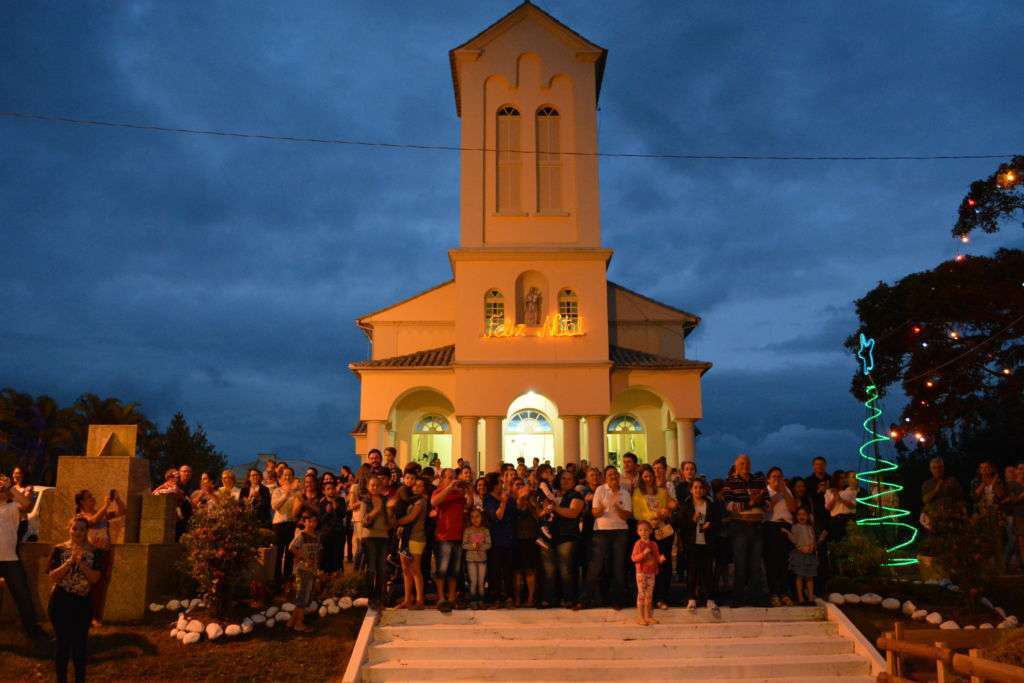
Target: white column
595,440
671,449
374,435
467,439
686,440
492,443
571,439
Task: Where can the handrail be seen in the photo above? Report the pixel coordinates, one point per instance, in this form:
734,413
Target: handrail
945,659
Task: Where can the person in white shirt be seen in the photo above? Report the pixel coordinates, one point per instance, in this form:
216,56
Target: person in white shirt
841,503
781,506
284,502
612,507
12,504
229,484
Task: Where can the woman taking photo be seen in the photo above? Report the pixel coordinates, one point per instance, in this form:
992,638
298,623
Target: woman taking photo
255,497
73,573
205,493
98,536
412,574
284,502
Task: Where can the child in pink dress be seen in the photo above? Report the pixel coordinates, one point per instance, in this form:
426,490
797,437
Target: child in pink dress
647,559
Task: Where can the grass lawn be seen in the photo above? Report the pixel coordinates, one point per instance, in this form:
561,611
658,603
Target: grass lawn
147,652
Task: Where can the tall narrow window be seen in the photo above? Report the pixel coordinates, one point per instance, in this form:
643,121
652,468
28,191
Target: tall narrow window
494,312
568,312
549,162
510,165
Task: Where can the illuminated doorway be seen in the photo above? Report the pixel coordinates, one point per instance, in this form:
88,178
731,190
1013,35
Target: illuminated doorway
625,434
529,434
432,438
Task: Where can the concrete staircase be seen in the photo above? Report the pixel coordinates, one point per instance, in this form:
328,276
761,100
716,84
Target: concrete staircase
793,644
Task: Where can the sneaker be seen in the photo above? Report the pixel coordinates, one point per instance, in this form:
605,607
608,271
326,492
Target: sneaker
692,605
444,606
787,601
662,605
715,612
543,544
776,602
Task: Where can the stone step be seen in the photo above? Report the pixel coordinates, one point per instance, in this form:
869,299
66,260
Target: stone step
396,617
556,649
783,667
596,632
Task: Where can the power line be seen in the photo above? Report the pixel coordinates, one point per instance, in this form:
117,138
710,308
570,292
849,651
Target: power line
453,148
973,349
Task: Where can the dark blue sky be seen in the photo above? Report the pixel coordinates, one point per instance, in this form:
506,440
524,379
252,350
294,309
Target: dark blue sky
222,277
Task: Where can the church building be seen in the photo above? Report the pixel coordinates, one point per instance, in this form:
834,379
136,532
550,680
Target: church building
529,350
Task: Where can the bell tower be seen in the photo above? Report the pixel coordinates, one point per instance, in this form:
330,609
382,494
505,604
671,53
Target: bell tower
526,91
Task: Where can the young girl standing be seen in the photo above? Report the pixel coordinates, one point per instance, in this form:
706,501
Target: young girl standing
803,558
647,559
476,541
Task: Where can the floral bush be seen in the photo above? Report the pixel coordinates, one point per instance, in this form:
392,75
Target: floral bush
220,555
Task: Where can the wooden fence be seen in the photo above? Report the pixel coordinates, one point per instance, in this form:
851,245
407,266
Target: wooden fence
942,648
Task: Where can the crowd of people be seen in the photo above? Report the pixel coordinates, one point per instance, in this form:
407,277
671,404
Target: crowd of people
527,535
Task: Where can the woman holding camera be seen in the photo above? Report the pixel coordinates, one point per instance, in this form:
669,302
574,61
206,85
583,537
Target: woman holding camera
73,573
97,520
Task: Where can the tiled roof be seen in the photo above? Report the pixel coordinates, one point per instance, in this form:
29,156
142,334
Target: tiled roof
621,357
631,358
431,358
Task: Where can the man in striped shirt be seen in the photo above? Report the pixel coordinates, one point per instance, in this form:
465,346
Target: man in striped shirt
746,502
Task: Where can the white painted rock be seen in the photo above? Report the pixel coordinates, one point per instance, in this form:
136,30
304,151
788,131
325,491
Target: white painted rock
181,635
970,627
283,616
919,615
269,623
836,598
1002,624
258,618
194,626
909,608
271,611
214,630
331,601
322,611
182,622
949,625
891,603
155,607
190,638
953,587
1000,611
195,602
1012,620
345,602
173,605
945,582
312,606
361,602
233,630
985,626
932,582
934,618
332,609
985,602
247,627
871,599
287,607
174,633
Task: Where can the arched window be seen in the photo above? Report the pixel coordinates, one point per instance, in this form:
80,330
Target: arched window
433,424
624,424
549,162
528,422
510,170
494,312
568,312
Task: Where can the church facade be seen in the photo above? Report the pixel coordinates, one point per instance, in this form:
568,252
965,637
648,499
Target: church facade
529,350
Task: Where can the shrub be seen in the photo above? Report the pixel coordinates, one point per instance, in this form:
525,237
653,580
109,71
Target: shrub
221,551
353,584
859,555
967,549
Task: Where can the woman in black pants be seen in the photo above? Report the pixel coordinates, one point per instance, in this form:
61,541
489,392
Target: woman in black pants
73,573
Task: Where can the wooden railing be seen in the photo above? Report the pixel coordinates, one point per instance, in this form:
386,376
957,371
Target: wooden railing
941,647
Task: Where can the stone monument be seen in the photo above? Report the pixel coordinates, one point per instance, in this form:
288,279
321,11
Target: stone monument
144,551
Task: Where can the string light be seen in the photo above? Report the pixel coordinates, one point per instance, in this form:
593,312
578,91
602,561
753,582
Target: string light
929,384
1006,371
885,515
965,239
959,258
971,202
917,329
954,335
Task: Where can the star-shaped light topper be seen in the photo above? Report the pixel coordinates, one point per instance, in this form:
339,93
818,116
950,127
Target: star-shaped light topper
866,354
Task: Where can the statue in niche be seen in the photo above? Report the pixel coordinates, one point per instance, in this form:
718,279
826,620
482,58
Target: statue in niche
532,307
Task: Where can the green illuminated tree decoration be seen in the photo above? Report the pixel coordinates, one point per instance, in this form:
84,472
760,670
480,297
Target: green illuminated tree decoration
880,492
